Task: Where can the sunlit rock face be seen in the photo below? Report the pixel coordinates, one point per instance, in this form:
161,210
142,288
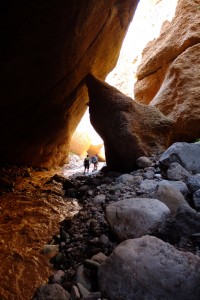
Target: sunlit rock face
129,129
48,49
168,76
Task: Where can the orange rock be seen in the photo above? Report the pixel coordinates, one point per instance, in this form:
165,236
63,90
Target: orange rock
168,76
129,129
179,96
48,51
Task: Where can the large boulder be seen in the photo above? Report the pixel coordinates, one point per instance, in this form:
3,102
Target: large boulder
51,292
186,154
148,268
193,183
129,129
168,76
171,196
175,184
177,172
134,217
180,229
48,49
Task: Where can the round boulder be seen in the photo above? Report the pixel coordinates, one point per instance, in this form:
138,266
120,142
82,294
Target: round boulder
134,217
51,292
148,268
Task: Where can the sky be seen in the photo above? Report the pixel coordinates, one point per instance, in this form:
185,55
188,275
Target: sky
145,26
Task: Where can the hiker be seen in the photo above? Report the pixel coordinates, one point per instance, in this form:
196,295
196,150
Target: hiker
94,160
86,164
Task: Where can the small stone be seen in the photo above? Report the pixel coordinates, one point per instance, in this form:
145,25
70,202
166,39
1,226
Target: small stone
143,162
196,199
157,176
91,264
83,291
57,259
82,276
104,239
90,193
149,175
75,295
84,188
51,291
95,240
99,199
113,197
99,257
57,277
47,249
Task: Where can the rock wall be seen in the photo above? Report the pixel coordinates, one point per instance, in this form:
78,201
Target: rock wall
129,129
47,50
168,76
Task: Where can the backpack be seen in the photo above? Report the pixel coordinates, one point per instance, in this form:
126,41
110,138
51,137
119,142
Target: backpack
94,159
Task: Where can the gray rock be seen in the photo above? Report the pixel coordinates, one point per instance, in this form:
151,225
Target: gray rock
138,172
148,268
113,197
91,264
83,291
186,154
149,174
178,185
158,176
177,172
104,239
58,259
99,199
84,188
116,187
135,217
57,277
171,197
99,257
75,295
196,200
193,183
51,292
148,186
83,276
126,179
143,162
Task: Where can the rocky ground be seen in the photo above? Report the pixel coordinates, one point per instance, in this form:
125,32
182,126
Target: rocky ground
85,237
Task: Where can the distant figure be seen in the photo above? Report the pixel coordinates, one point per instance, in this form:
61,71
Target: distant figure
94,160
86,164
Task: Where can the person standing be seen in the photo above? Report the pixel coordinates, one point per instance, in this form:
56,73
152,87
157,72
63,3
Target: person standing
94,160
86,164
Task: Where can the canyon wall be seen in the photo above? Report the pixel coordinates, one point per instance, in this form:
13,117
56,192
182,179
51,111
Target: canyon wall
47,49
168,75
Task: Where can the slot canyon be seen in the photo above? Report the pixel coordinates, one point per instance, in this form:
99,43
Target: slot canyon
55,58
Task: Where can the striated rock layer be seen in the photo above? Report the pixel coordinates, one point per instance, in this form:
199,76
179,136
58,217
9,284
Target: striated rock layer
47,50
129,129
168,76
29,218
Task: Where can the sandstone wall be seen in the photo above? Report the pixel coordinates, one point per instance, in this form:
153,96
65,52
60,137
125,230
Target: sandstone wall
129,129
47,49
168,76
